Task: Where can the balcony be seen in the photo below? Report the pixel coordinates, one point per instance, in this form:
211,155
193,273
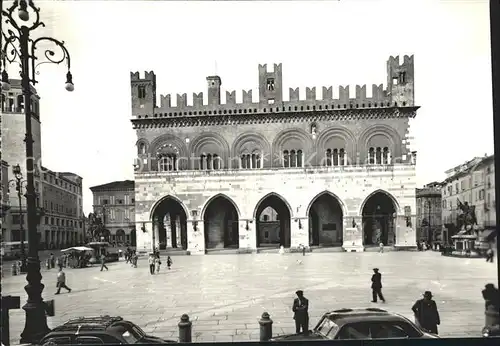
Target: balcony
340,170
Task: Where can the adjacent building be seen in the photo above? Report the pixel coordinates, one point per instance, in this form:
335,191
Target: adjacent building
338,172
58,194
429,218
472,182
115,203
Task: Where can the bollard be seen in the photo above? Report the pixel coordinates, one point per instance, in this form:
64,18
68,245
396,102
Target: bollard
185,329
266,327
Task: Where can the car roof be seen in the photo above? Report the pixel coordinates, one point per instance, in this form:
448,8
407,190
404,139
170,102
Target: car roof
343,316
81,325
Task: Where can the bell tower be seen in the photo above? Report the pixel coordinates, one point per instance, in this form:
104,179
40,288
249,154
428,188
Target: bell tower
400,81
270,85
143,93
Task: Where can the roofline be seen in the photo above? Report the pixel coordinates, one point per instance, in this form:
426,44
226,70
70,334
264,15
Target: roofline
126,186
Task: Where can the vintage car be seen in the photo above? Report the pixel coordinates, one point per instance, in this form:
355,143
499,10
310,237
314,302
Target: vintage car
99,330
103,248
370,323
491,331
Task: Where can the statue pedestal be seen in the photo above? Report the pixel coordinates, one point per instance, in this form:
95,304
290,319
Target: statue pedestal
353,240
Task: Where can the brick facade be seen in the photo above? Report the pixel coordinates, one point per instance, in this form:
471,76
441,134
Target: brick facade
338,172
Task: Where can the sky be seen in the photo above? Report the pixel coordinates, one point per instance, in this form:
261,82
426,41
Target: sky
323,43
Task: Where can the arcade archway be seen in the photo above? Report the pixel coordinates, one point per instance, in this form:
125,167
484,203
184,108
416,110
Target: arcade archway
120,237
272,218
325,221
133,237
171,220
221,224
378,219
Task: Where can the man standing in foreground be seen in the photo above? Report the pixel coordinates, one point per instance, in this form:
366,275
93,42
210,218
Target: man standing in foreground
426,313
377,286
300,309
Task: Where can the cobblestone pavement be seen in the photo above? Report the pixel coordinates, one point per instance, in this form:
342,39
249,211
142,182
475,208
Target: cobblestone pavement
225,295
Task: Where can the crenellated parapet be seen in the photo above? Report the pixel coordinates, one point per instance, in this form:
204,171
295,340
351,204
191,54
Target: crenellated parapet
398,93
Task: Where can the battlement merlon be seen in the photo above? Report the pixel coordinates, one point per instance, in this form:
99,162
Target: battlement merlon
399,91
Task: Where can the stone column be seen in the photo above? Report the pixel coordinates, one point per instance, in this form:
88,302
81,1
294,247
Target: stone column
196,237
156,230
353,234
178,231
168,229
251,235
405,232
299,229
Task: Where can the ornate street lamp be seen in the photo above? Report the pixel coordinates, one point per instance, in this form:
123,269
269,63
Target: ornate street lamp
18,182
18,47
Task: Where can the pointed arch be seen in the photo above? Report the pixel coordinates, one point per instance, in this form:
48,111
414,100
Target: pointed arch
167,197
395,202
272,194
328,193
219,195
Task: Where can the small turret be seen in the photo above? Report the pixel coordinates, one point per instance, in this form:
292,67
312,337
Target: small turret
400,81
143,93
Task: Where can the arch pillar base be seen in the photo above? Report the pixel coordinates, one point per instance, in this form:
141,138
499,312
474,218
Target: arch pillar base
353,235
196,237
299,229
406,236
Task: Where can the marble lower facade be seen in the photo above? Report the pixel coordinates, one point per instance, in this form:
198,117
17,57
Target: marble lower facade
350,207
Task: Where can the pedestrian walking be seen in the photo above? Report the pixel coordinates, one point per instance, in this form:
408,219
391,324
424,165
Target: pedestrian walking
61,281
103,262
151,261
157,265
381,247
489,255
426,313
377,286
300,310
169,262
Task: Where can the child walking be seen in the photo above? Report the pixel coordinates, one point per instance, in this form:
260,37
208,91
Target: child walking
61,281
157,264
169,262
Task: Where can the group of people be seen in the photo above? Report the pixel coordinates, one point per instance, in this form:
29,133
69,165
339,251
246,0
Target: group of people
131,257
425,309
155,262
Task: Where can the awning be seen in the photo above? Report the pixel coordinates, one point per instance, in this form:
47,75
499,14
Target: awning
78,248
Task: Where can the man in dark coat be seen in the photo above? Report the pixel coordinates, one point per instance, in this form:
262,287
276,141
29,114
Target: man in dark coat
300,310
426,313
377,286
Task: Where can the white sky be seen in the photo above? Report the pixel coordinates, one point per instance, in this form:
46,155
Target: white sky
319,43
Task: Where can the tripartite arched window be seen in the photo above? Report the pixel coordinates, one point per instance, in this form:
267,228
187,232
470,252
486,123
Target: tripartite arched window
209,162
379,156
292,158
335,157
168,163
251,161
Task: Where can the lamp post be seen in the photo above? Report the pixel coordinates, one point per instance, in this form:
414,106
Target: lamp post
19,182
20,49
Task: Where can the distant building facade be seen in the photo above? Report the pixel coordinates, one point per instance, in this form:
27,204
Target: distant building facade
336,172
474,183
429,218
58,194
115,203
5,203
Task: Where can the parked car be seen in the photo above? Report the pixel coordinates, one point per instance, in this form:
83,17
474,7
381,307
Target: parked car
491,331
371,323
99,330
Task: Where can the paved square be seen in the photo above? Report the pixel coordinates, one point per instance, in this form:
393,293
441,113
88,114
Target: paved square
225,294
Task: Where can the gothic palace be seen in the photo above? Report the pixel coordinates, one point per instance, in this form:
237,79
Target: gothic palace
248,176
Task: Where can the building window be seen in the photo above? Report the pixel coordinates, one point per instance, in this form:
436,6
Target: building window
210,161
270,84
167,163
105,201
379,156
266,217
292,158
251,161
335,157
141,91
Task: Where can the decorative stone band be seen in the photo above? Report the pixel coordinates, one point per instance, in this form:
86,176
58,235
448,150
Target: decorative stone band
144,122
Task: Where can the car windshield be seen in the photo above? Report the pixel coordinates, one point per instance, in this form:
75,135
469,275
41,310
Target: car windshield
327,328
129,337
